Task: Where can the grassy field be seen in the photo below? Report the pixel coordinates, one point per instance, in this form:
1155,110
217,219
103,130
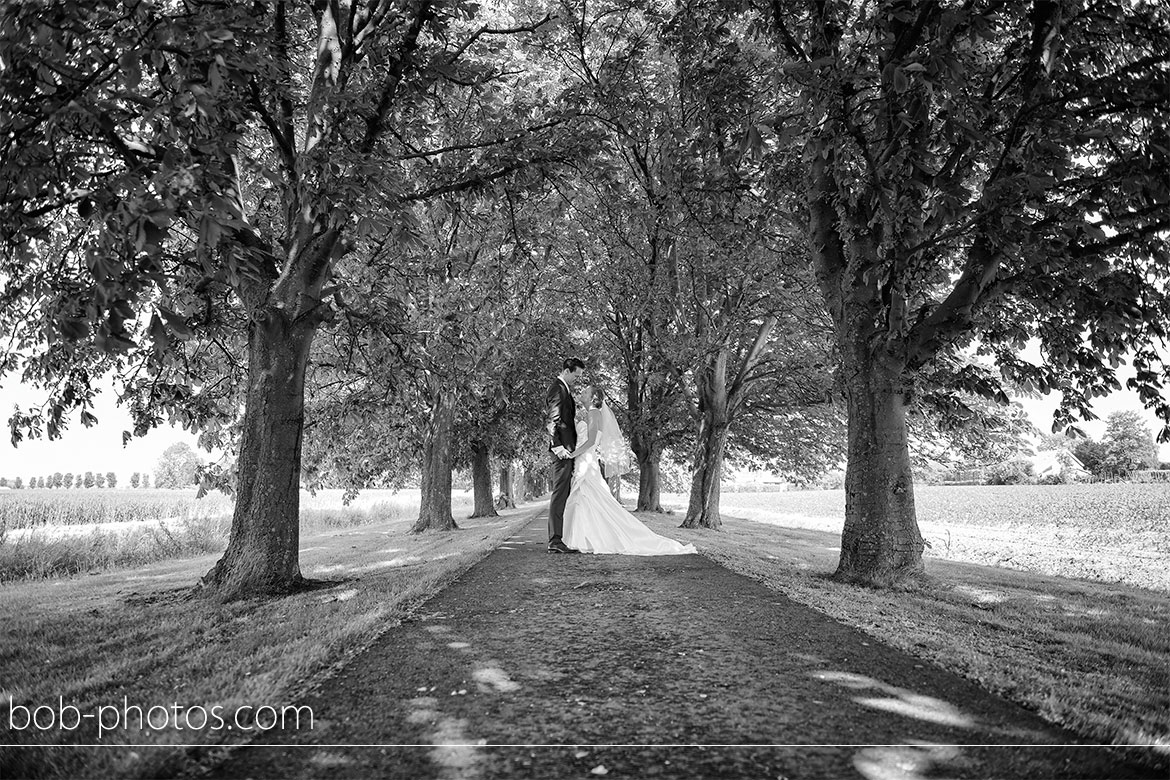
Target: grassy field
136,636
52,533
1108,509
1106,532
1091,656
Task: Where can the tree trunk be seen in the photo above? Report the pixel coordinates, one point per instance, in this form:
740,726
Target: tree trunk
481,481
649,479
535,485
262,556
507,487
703,507
520,482
881,544
435,506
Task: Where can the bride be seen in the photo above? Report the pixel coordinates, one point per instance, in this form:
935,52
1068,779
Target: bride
594,520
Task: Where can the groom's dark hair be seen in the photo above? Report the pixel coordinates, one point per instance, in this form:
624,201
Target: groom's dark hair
573,363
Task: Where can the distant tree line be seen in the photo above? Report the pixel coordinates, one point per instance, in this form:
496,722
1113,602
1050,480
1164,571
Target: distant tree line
67,480
177,467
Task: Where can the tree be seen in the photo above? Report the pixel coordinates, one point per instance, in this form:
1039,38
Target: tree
18,483
178,467
1057,441
430,369
99,479
88,480
111,479
1093,455
511,374
223,159
145,481
1128,443
977,175
741,260
682,245
948,429
69,480
3,481
624,207
134,479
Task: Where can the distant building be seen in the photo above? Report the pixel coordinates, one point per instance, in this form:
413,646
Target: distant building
1057,463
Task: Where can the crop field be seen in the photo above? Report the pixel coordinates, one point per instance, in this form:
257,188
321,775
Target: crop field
23,509
1113,532
26,509
49,533
1120,507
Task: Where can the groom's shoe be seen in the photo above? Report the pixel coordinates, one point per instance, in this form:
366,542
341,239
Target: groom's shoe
560,547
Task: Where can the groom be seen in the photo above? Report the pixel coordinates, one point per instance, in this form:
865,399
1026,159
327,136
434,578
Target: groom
560,421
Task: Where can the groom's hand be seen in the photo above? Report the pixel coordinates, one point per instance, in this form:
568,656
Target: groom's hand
560,452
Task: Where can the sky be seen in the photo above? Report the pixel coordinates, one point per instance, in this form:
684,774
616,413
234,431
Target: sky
81,449
1040,409
1040,413
99,448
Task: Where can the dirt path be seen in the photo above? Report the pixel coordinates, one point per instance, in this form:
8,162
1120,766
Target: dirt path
647,656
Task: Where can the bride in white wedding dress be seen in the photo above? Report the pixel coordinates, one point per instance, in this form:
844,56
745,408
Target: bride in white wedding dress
594,520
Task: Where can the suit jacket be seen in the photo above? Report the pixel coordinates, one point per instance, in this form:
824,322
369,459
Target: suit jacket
560,414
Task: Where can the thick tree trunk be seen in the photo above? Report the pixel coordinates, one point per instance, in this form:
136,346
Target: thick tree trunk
881,544
262,556
507,498
703,507
649,479
481,481
435,507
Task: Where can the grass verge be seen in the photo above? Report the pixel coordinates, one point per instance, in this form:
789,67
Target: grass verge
133,638
1093,657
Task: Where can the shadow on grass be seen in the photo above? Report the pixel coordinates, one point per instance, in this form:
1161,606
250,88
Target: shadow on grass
307,585
179,595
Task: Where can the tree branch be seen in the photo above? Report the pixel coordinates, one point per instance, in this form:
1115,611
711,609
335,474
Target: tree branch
497,31
398,64
483,144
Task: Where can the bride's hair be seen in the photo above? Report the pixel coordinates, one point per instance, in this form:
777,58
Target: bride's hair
598,396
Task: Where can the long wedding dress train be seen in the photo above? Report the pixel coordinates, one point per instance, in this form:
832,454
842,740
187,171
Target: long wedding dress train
596,523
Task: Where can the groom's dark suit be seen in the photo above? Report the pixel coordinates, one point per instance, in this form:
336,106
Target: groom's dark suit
561,411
